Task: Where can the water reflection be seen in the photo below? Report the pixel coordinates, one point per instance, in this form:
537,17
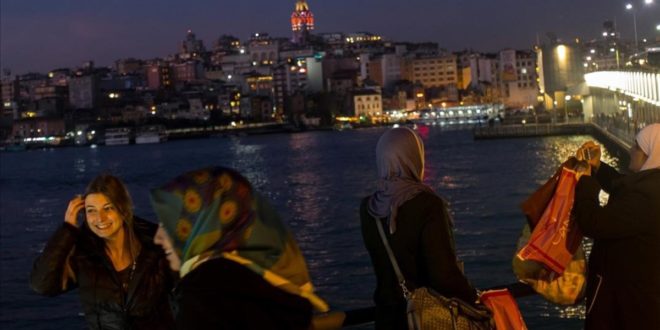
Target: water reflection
249,160
316,181
305,180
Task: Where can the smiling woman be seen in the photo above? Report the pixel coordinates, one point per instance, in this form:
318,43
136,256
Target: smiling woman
122,275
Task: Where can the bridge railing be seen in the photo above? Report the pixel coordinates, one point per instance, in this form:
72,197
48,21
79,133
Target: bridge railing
644,86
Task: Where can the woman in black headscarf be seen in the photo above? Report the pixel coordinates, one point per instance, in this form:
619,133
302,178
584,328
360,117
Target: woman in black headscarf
420,230
623,286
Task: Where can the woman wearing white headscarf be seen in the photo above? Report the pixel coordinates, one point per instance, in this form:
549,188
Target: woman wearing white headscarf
623,286
420,230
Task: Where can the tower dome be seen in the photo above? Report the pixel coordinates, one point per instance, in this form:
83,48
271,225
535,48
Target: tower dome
302,21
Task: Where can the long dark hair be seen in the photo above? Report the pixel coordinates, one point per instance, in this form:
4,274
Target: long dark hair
115,190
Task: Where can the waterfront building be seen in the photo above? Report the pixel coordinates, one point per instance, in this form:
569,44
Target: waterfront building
59,77
482,68
348,65
38,127
431,71
605,52
28,84
187,72
191,47
229,101
334,40
51,100
519,88
258,108
263,49
560,72
224,46
83,91
315,73
367,103
233,64
385,69
259,84
289,78
227,44
196,110
363,40
10,98
341,82
159,76
302,22
129,66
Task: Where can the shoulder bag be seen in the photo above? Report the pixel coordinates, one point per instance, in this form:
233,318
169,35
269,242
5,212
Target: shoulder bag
429,310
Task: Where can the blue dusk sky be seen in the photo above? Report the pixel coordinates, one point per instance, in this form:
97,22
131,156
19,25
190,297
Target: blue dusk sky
40,35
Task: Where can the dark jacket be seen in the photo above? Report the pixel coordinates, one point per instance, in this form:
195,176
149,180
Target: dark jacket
147,301
623,286
221,294
423,245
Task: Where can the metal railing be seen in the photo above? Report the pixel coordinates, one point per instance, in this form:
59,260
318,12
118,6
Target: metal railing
529,130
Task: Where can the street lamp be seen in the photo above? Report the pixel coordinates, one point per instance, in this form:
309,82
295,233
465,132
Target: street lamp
629,6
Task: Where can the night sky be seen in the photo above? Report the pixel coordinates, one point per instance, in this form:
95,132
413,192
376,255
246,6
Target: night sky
40,35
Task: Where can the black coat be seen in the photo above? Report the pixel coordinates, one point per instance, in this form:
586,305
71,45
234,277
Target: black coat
147,300
623,286
423,245
221,294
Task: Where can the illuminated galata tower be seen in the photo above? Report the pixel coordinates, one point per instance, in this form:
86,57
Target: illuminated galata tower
302,22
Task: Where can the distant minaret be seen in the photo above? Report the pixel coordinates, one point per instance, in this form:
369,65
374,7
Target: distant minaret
302,22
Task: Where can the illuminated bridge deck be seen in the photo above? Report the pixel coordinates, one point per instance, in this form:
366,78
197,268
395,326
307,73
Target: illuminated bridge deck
531,130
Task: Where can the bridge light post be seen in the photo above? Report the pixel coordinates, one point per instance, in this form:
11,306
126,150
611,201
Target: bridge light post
630,7
566,99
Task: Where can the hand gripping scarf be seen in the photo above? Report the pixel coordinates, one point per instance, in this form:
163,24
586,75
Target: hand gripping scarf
215,213
648,139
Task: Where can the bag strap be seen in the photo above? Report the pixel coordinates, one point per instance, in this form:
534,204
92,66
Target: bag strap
395,265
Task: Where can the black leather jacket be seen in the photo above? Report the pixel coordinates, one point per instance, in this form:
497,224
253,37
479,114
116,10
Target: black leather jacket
145,305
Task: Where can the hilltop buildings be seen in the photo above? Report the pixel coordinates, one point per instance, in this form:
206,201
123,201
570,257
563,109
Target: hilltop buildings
322,75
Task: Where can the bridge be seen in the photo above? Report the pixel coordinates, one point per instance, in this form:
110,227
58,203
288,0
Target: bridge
622,102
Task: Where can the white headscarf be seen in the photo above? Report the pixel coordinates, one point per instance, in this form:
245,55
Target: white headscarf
400,163
648,140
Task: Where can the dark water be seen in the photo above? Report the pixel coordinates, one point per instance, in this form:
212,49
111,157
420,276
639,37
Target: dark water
315,179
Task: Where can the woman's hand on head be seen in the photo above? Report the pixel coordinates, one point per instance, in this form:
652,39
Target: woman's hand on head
75,206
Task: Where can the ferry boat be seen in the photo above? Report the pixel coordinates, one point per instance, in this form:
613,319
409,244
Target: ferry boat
150,134
15,144
117,136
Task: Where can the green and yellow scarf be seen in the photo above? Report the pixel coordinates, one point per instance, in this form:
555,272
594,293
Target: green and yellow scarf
215,213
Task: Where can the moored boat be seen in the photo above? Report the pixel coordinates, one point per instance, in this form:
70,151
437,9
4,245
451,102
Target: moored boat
117,136
150,134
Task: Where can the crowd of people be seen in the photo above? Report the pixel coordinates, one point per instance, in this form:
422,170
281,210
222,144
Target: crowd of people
221,257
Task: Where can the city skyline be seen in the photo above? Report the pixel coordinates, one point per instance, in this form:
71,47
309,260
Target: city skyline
38,38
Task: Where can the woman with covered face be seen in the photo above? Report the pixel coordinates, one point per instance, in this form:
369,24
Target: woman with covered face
240,268
418,228
122,277
623,285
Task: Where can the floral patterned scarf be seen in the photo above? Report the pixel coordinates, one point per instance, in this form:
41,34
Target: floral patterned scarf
215,213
